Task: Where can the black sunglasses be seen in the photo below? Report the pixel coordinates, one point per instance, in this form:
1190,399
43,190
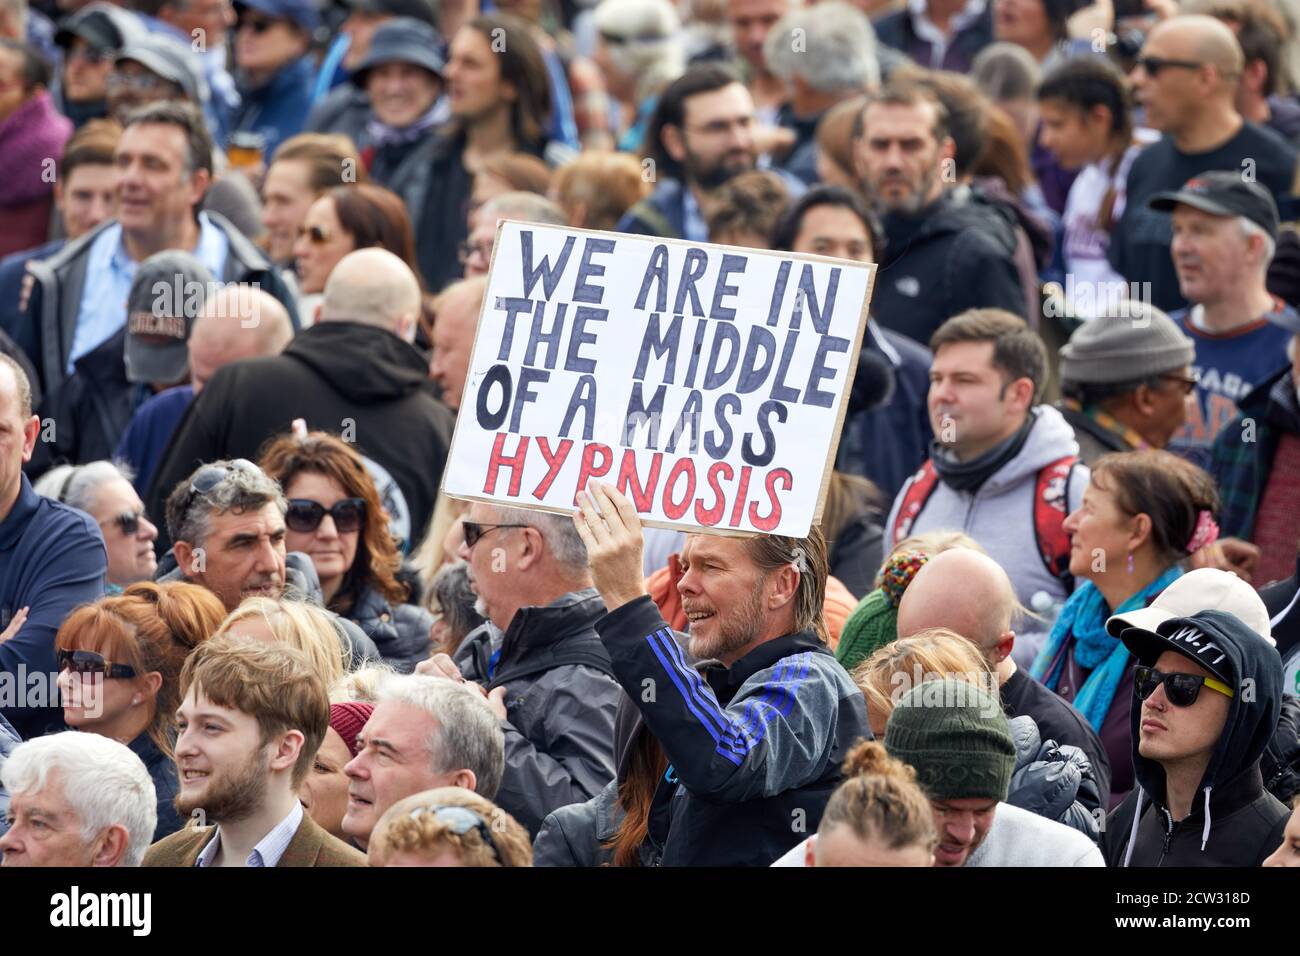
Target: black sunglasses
88,662
128,521
1181,689
305,515
1152,65
475,530
256,24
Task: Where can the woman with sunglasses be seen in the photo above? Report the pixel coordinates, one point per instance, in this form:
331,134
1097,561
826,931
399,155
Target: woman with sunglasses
1142,514
103,490
336,518
119,664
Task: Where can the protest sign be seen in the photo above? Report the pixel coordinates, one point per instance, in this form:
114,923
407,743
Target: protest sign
707,383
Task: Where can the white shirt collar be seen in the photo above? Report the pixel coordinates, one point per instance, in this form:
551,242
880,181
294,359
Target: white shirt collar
268,850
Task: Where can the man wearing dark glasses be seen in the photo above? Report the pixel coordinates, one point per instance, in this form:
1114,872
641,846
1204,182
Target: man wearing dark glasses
1207,694
1186,80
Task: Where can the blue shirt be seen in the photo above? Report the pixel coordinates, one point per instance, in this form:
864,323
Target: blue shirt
1229,366
109,273
52,558
149,432
269,849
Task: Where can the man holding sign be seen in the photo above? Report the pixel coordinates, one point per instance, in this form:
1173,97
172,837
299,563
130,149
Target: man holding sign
755,752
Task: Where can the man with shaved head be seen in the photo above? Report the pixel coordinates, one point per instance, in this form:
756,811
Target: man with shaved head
237,322
354,373
1186,80
968,592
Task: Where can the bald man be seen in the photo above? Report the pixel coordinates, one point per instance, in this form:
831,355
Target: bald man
456,310
237,322
1186,81
354,373
969,593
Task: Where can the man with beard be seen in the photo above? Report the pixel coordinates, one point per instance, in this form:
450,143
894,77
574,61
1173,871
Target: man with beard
944,254
755,748
251,719
701,134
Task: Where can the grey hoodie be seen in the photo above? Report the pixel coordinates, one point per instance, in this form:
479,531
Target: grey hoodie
999,515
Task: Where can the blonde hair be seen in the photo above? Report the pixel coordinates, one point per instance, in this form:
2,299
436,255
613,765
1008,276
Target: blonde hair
880,801
361,686
607,184
935,542
901,665
411,826
304,626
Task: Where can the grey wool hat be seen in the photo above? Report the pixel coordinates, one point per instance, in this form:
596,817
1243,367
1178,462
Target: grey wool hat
1125,344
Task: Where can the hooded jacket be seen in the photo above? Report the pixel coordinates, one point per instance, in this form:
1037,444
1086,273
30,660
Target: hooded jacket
958,253
999,515
46,332
1233,820
342,377
755,749
560,703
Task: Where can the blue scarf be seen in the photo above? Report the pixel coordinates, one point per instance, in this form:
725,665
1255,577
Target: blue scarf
1083,620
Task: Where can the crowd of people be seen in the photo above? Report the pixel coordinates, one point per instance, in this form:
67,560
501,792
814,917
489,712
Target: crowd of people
1050,612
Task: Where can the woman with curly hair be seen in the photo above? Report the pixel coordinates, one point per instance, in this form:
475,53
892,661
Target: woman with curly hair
336,518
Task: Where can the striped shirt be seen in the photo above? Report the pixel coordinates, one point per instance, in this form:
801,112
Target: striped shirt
269,849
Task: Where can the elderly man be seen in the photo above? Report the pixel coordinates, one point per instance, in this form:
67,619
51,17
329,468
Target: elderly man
1127,380
476,251
756,751
968,593
1186,79
52,558
355,373
425,732
238,322
76,800
538,659
457,310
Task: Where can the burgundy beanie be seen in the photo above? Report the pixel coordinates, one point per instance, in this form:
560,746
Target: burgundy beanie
348,719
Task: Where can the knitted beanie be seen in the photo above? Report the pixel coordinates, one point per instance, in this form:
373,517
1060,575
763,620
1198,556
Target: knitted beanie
1135,342
874,622
347,719
956,737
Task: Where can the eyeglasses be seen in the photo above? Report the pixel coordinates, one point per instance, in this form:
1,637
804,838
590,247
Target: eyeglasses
316,235
257,24
90,54
1152,65
460,820
140,82
1181,689
475,530
1188,385
305,515
88,662
128,521
468,250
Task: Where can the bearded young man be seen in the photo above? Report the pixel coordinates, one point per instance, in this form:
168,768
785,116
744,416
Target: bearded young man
754,746
251,719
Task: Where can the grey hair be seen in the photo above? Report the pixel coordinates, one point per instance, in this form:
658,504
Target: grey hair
835,49
103,780
456,599
77,486
1005,71
240,491
529,207
651,49
467,735
1251,228
561,537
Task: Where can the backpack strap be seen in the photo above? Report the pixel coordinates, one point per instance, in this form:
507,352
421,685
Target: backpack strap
915,495
1051,507
588,651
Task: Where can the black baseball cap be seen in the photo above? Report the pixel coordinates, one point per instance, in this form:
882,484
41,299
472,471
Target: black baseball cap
1222,193
1200,638
102,25
418,9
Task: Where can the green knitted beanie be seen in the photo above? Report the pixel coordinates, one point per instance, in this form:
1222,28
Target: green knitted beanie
874,622
956,737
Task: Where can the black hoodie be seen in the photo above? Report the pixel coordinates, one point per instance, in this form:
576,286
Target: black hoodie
1233,820
356,380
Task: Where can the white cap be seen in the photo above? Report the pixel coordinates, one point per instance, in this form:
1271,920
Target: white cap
1205,589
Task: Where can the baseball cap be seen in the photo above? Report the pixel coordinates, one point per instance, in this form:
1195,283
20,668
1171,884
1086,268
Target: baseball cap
1199,637
170,59
1223,194
1205,589
417,9
102,25
302,13
165,299
401,40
